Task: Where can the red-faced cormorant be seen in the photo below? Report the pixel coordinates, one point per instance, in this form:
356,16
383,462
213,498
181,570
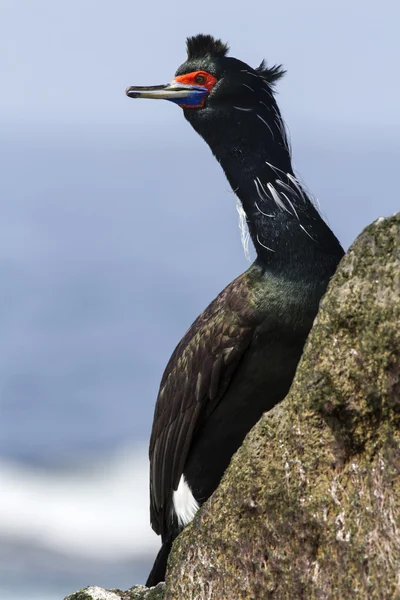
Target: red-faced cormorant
239,357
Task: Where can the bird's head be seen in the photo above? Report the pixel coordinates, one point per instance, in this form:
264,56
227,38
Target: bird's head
211,86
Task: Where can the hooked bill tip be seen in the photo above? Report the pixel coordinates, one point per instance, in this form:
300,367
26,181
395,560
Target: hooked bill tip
131,93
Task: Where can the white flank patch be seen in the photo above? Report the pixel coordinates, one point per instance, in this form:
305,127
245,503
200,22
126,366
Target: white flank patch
185,504
244,229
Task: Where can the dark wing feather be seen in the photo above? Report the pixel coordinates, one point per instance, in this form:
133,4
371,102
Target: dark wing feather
193,383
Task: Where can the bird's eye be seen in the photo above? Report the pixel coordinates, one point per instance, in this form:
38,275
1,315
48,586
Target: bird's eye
200,79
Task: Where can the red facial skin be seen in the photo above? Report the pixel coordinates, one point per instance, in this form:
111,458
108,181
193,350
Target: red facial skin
190,79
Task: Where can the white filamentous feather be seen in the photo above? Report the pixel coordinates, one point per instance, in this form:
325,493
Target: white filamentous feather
185,504
262,212
243,108
249,73
310,236
258,183
297,186
265,123
244,229
247,86
285,186
279,122
266,196
265,105
275,195
291,204
314,201
263,245
276,169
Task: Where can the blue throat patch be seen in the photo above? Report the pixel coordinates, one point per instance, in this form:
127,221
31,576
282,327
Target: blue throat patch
194,97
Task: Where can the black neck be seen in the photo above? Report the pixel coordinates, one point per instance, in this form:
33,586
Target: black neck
286,229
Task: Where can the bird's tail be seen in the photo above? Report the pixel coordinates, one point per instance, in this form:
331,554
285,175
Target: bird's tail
157,573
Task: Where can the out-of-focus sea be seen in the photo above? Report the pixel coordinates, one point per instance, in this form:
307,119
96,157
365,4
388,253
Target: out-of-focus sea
64,528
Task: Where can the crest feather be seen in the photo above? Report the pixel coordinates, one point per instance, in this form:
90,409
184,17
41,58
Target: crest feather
270,74
203,45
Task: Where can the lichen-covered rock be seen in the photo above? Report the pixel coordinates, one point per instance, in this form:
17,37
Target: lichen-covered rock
138,592
310,505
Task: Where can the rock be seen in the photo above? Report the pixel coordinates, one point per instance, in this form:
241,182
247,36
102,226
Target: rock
309,507
137,592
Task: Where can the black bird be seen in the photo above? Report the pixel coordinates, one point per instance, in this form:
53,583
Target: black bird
239,357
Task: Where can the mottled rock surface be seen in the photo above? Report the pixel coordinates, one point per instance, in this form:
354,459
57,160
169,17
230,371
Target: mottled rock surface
137,592
310,505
